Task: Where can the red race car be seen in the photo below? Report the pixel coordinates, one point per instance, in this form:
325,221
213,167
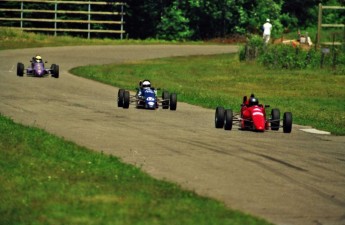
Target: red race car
252,117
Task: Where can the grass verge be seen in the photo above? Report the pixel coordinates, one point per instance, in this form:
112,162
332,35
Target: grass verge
47,180
315,97
11,38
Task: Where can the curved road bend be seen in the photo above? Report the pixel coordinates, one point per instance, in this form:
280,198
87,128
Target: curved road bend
296,178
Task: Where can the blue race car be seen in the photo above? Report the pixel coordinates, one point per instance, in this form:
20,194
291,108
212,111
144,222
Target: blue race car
37,69
146,98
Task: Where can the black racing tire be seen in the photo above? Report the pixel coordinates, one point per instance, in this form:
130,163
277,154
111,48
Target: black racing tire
52,67
126,98
173,101
20,69
56,71
287,122
228,117
166,99
219,117
120,94
275,119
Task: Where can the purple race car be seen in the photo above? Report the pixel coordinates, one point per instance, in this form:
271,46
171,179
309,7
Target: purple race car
37,69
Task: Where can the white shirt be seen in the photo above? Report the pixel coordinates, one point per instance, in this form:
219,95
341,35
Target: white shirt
267,28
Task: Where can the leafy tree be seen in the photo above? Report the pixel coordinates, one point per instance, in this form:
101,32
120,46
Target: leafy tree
143,17
174,25
253,15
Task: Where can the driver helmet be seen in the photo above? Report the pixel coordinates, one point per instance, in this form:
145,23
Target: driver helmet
146,84
38,58
253,101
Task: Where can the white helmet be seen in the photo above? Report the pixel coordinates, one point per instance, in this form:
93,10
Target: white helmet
146,84
38,58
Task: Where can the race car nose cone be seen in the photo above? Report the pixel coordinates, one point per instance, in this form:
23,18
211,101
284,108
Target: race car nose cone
260,128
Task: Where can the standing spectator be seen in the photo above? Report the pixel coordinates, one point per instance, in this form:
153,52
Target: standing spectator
267,27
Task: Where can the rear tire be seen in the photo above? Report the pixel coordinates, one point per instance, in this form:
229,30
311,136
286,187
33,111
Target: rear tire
219,117
120,94
56,71
287,122
165,97
126,98
52,68
20,69
173,101
275,119
228,119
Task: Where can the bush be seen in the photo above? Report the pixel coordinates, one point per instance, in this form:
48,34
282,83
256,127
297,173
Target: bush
252,49
282,56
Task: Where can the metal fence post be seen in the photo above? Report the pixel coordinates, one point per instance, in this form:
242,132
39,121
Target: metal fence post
55,24
21,14
89,19
319,25
121,36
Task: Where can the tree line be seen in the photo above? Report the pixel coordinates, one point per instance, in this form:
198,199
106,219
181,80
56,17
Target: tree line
208,19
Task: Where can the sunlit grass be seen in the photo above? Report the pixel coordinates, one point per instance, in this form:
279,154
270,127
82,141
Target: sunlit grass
11,38
315,97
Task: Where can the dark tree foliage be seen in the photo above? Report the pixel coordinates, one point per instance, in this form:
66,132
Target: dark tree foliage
190,19
305,13
143,17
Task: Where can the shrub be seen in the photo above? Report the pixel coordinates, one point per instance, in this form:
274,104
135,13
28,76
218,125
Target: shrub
282,56
252,49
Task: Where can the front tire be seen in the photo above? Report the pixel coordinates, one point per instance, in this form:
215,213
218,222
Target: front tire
287,122
56,71
228,119
165,97
275,119
120,95
219,117
173,101
20,69
126,98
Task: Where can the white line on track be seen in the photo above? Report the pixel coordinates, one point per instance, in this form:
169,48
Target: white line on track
315,131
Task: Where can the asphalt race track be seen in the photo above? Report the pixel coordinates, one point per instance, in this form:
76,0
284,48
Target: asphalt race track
296,178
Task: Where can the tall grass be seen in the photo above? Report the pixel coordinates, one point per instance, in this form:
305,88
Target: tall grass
315,97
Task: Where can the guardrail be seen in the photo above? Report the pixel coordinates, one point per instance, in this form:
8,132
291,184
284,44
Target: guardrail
59,16
321,25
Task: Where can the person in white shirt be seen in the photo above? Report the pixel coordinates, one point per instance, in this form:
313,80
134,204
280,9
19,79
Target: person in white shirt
267,27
